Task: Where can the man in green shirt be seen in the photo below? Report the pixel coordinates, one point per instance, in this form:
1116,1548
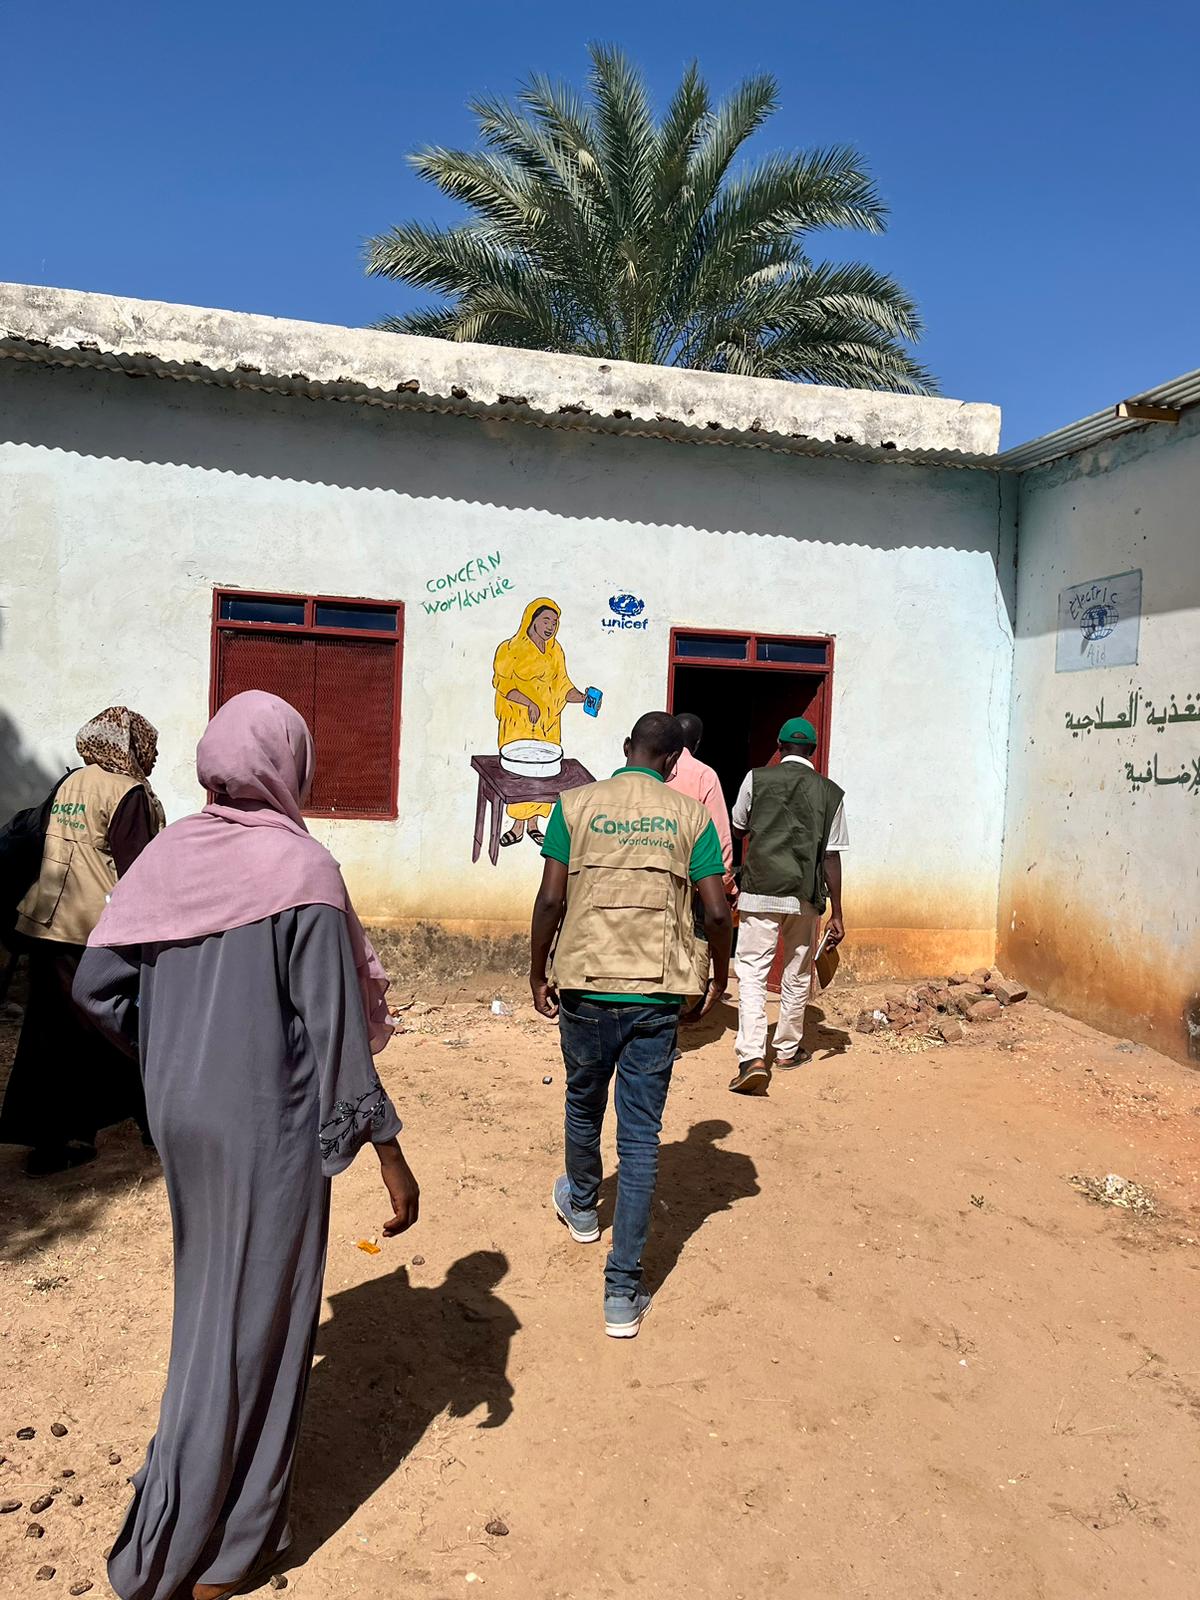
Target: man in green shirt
622,857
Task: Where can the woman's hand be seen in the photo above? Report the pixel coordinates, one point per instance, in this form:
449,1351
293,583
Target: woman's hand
519,699
404,1192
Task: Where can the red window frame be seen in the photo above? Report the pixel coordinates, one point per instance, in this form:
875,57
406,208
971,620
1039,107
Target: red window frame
810,669
309,629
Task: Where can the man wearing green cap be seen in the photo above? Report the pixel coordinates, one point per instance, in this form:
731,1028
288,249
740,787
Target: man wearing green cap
794,825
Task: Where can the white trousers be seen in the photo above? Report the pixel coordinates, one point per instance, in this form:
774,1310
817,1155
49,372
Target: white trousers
759,933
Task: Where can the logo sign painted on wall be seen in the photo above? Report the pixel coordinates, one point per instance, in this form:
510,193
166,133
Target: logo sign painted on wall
1098,623
626,612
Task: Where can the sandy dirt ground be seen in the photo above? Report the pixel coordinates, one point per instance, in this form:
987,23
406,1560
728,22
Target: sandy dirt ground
893,1354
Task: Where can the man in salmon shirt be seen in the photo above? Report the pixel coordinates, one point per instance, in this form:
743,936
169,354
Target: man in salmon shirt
694,778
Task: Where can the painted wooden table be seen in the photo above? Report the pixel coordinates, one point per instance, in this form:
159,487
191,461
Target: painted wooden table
499,789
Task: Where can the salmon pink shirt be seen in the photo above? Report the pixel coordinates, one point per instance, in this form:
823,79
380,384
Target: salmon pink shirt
693,778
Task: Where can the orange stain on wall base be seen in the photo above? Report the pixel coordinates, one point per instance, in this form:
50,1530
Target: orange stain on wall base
1123,981
869,955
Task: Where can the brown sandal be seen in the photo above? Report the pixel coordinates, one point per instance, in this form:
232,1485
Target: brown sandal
752,1078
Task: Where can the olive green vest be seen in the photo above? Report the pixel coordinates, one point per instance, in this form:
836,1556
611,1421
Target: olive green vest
78,871
792,808
627,928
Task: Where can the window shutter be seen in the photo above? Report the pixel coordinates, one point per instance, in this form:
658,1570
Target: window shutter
343,684
269,661
353,726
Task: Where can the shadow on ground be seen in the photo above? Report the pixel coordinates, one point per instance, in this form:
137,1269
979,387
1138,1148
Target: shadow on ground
820,1039
721,1020
696,1179
36,1213
392,1359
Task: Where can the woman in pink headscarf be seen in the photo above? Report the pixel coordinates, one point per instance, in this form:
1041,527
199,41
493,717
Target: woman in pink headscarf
231,962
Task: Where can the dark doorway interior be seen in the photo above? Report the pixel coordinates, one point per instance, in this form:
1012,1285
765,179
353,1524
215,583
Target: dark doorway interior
744,687
742,712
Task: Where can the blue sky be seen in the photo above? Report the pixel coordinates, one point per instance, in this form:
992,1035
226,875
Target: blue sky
1036,157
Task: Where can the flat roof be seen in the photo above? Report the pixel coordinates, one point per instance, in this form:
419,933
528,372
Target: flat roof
242,350
237,349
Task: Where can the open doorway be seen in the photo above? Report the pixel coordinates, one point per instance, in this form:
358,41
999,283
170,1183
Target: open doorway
744,687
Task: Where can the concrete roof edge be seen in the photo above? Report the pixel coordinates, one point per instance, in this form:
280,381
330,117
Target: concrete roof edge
323,360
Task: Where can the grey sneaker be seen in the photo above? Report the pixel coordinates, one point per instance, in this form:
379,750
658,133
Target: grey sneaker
583,1226
623,1314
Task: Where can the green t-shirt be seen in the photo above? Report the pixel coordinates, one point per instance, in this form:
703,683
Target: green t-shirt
706,862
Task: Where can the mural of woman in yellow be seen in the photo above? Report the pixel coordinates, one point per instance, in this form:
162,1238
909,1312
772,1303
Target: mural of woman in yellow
530,678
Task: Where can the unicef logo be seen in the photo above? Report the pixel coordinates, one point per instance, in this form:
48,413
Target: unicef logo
1097,622
626,613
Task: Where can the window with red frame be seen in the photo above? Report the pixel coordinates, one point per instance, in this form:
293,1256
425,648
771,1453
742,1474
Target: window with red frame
339,663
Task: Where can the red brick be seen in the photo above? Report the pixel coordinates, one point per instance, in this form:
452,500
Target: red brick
984,1011
963,999
949,1029
1007,990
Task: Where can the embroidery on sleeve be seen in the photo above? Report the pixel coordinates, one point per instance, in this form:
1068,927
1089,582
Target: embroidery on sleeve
350,1117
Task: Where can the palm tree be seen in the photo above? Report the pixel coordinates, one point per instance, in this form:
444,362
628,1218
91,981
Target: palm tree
598,231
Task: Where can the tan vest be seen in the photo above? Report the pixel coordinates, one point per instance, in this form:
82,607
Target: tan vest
78,870
627,928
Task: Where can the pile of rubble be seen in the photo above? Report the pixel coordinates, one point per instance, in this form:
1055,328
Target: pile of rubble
941,1010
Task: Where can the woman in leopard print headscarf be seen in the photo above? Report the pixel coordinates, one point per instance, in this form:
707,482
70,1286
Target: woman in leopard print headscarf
122,741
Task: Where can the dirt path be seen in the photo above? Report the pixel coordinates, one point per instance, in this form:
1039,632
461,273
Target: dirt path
894,1354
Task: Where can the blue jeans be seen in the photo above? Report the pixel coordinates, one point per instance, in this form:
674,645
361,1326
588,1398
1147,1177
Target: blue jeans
637,1042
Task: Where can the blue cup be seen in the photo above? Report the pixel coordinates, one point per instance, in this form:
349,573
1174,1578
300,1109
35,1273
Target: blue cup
592,699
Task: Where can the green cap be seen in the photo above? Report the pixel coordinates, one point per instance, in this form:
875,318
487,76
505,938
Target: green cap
796,730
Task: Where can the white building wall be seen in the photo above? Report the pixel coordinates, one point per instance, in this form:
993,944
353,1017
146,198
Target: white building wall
123,503
1100,904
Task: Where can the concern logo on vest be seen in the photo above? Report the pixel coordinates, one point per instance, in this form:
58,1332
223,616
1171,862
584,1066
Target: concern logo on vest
655,832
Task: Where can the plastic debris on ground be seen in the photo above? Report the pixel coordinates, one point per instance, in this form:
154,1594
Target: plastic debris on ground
1113,1190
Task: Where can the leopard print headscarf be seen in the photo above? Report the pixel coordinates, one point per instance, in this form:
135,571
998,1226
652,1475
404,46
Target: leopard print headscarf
120,740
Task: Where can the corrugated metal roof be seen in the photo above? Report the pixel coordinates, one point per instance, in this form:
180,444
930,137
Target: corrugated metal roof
1179,393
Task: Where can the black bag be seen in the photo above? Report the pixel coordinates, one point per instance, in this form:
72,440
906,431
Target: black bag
22,840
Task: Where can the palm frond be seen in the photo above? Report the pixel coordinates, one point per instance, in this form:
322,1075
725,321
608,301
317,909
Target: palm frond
625,136
593,227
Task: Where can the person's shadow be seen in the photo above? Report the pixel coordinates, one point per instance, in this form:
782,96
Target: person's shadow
696,1179
722,1019
820,1040
393,1358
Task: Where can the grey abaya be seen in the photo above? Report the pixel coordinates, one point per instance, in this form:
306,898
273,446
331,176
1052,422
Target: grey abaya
259,1086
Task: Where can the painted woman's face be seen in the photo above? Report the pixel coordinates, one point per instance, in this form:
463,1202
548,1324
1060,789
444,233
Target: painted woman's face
545,625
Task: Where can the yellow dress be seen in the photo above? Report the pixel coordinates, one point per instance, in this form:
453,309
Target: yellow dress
541,675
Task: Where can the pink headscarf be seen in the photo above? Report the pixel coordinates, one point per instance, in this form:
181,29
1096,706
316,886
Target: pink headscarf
246,856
